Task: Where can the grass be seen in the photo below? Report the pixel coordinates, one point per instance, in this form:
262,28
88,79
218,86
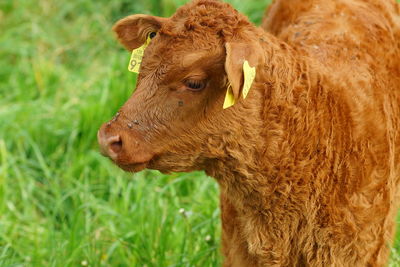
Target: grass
62,204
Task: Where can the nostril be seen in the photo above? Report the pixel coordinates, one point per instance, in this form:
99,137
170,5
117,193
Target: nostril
111,146
116,146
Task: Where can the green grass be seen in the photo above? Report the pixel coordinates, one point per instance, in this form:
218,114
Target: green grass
61,203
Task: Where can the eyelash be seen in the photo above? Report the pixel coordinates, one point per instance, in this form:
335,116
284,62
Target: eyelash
194,85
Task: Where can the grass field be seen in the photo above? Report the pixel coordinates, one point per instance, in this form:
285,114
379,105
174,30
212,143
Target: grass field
61,203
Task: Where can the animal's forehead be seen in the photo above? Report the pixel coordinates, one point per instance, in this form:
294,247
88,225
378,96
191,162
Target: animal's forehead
179,55
184,47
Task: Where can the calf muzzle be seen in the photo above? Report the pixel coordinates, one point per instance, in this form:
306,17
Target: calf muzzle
125,147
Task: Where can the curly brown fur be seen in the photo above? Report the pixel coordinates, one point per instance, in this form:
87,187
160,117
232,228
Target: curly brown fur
308,163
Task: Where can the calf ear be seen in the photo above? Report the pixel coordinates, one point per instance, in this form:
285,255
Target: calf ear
236,54
132,31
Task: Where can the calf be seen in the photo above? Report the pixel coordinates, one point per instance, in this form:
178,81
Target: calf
299,125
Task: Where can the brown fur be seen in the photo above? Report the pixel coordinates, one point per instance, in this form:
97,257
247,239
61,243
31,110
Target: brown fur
308,164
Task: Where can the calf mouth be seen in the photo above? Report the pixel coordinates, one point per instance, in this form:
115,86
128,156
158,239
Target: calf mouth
135,167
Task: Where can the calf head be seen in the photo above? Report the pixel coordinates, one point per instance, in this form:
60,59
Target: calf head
175,120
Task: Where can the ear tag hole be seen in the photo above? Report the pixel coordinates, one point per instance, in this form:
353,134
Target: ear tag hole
152,35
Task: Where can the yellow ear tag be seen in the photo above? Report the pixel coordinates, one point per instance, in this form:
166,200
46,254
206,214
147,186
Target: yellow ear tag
137,55
229,98
249,76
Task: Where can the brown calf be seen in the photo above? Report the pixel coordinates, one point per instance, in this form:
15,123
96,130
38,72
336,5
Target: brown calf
308,163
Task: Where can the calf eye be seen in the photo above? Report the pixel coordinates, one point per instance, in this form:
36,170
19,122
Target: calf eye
194,85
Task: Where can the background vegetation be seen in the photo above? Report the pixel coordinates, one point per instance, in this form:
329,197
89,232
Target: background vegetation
62,204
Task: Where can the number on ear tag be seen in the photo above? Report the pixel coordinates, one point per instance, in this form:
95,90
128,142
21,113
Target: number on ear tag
137,55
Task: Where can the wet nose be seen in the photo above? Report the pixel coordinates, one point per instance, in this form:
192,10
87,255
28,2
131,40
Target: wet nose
110,145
